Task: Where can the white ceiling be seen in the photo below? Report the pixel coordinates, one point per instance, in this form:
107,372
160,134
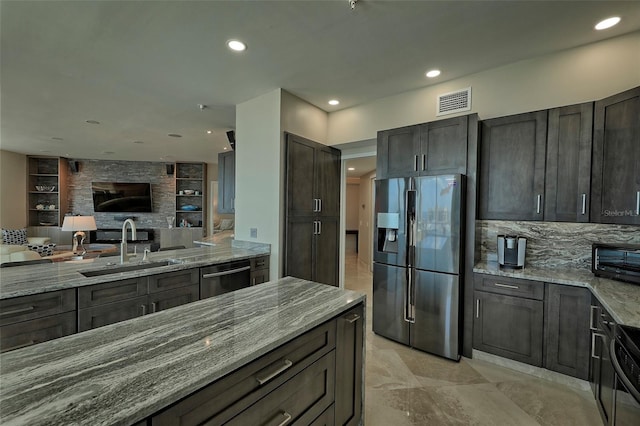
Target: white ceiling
141,68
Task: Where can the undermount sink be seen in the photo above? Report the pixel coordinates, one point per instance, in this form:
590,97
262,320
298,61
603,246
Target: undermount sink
126,268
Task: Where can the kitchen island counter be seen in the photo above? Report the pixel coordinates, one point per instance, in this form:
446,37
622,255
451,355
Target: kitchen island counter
125,372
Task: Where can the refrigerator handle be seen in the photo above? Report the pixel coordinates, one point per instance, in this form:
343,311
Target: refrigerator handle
408,298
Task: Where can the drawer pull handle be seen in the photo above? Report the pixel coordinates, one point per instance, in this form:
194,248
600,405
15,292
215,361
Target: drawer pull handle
285,421
592,309
286,365
153,307
593,344
515,287
233,271
352,318
477,308
17,311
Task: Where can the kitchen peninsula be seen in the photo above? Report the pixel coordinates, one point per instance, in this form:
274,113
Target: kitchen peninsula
264,352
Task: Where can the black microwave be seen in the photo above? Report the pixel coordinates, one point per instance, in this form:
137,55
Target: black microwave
616,261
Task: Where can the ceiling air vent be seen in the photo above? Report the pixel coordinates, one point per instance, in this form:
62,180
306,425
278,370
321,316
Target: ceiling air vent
458,101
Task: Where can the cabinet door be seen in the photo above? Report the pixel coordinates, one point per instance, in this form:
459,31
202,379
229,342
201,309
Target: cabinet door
171,298
299,250
566,330
172,280
398,152
509,326
98,316
38,330
100,294
349,340
325,256
226,182
443,146
327,166
512,167
300,177
615,181
19,309
568,175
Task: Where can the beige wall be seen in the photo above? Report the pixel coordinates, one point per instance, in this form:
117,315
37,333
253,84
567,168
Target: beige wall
13,190
576,75
352,205
365,225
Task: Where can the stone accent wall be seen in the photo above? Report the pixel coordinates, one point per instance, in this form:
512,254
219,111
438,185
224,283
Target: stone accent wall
552,244
162,190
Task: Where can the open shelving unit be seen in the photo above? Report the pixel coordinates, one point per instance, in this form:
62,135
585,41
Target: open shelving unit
47,207
191,191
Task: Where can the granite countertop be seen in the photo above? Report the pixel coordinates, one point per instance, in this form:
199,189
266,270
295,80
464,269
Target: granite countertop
33,279
621,299
124,372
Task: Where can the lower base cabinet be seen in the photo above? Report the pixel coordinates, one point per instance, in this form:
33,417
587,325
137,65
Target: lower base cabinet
27,333
297,383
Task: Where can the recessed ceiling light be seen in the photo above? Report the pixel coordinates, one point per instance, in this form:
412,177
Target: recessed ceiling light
108,152
351,169
44,150
92,122
334,102
56,138
209,131
236,45
433,73
138,142
607,23
174,135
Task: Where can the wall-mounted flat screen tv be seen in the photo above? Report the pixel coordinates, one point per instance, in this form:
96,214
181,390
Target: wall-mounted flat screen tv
121,197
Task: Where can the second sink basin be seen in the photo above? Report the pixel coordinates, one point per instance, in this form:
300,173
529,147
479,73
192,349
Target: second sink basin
126,268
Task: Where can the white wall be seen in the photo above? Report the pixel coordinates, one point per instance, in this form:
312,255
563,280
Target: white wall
572,76
13,188
303,119
352,205
258,173
365,224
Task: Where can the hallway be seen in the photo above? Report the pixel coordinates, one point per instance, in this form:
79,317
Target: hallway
404,386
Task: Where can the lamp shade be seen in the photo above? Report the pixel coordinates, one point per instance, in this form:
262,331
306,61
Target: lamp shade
79,223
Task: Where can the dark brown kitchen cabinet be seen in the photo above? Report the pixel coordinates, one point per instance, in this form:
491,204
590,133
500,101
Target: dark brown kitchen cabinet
349,374
162,300
110,313
601,373
438,147
32,319
566,330
615,179
508,326
259,270
227,182
512,172
568,163
312,195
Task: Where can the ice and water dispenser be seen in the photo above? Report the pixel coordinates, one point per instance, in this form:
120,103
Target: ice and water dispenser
388,226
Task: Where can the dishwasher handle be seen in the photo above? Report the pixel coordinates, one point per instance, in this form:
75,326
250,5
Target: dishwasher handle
232,271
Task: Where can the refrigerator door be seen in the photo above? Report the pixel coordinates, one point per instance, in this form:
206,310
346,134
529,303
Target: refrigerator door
439,218
390,240
389,302
436,329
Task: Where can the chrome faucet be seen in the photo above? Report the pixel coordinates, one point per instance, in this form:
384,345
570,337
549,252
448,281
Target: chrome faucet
124,256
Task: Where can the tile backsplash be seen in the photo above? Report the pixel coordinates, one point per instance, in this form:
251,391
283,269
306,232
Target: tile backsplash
552,244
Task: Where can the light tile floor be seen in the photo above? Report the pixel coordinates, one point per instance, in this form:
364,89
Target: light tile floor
404,386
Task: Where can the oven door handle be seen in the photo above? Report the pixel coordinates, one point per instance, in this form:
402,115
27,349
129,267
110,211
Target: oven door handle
232,271
620,373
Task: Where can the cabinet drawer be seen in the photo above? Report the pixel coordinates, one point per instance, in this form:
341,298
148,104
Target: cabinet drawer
172,280
259,262
38,330
98,316
25,308
228,397
509,286
326,418
301,399
100,294
171,298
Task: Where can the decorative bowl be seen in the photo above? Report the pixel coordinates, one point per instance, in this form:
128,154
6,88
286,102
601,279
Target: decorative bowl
45,188
189,192
190,207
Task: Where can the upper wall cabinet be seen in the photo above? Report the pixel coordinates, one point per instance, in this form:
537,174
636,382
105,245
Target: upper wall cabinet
439,147
47,202
615,179
513,167
227,182
568,167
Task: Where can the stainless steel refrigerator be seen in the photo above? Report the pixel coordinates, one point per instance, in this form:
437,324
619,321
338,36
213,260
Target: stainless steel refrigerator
418,262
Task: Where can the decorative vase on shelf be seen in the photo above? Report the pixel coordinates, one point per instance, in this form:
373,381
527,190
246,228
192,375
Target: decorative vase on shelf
170,220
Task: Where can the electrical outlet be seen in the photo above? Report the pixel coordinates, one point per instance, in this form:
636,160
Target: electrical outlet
254,232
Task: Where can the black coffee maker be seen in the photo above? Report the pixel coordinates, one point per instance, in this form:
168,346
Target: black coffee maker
511,250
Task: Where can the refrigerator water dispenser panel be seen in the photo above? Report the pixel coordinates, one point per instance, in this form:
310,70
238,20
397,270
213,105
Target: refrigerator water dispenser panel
388,225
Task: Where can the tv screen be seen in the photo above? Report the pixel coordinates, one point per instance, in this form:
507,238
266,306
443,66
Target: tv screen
121,197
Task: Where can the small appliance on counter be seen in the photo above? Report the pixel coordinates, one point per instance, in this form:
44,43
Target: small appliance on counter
616,261
511,250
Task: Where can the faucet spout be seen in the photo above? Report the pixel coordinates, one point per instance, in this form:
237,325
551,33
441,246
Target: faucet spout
124,256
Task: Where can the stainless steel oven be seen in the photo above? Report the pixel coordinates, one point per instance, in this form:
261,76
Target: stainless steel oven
625,357
220,279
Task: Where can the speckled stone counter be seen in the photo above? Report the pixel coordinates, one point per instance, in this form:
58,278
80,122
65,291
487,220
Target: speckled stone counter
124,372
32,279
621,299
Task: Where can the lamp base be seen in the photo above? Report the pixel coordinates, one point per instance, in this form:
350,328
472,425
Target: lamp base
78,243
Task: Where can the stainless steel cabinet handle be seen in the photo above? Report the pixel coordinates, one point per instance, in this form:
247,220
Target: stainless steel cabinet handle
153,307
584,203
144,309
233,271
319,204
424,162
638,202
592,309
477,308
515,287
17,311
538,203
593,344
415,163
352,318
286,364
287,418
319,227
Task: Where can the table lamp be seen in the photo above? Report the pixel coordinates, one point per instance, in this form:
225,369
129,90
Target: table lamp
79,224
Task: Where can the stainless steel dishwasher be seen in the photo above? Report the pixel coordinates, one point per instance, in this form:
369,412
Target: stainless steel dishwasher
220,279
